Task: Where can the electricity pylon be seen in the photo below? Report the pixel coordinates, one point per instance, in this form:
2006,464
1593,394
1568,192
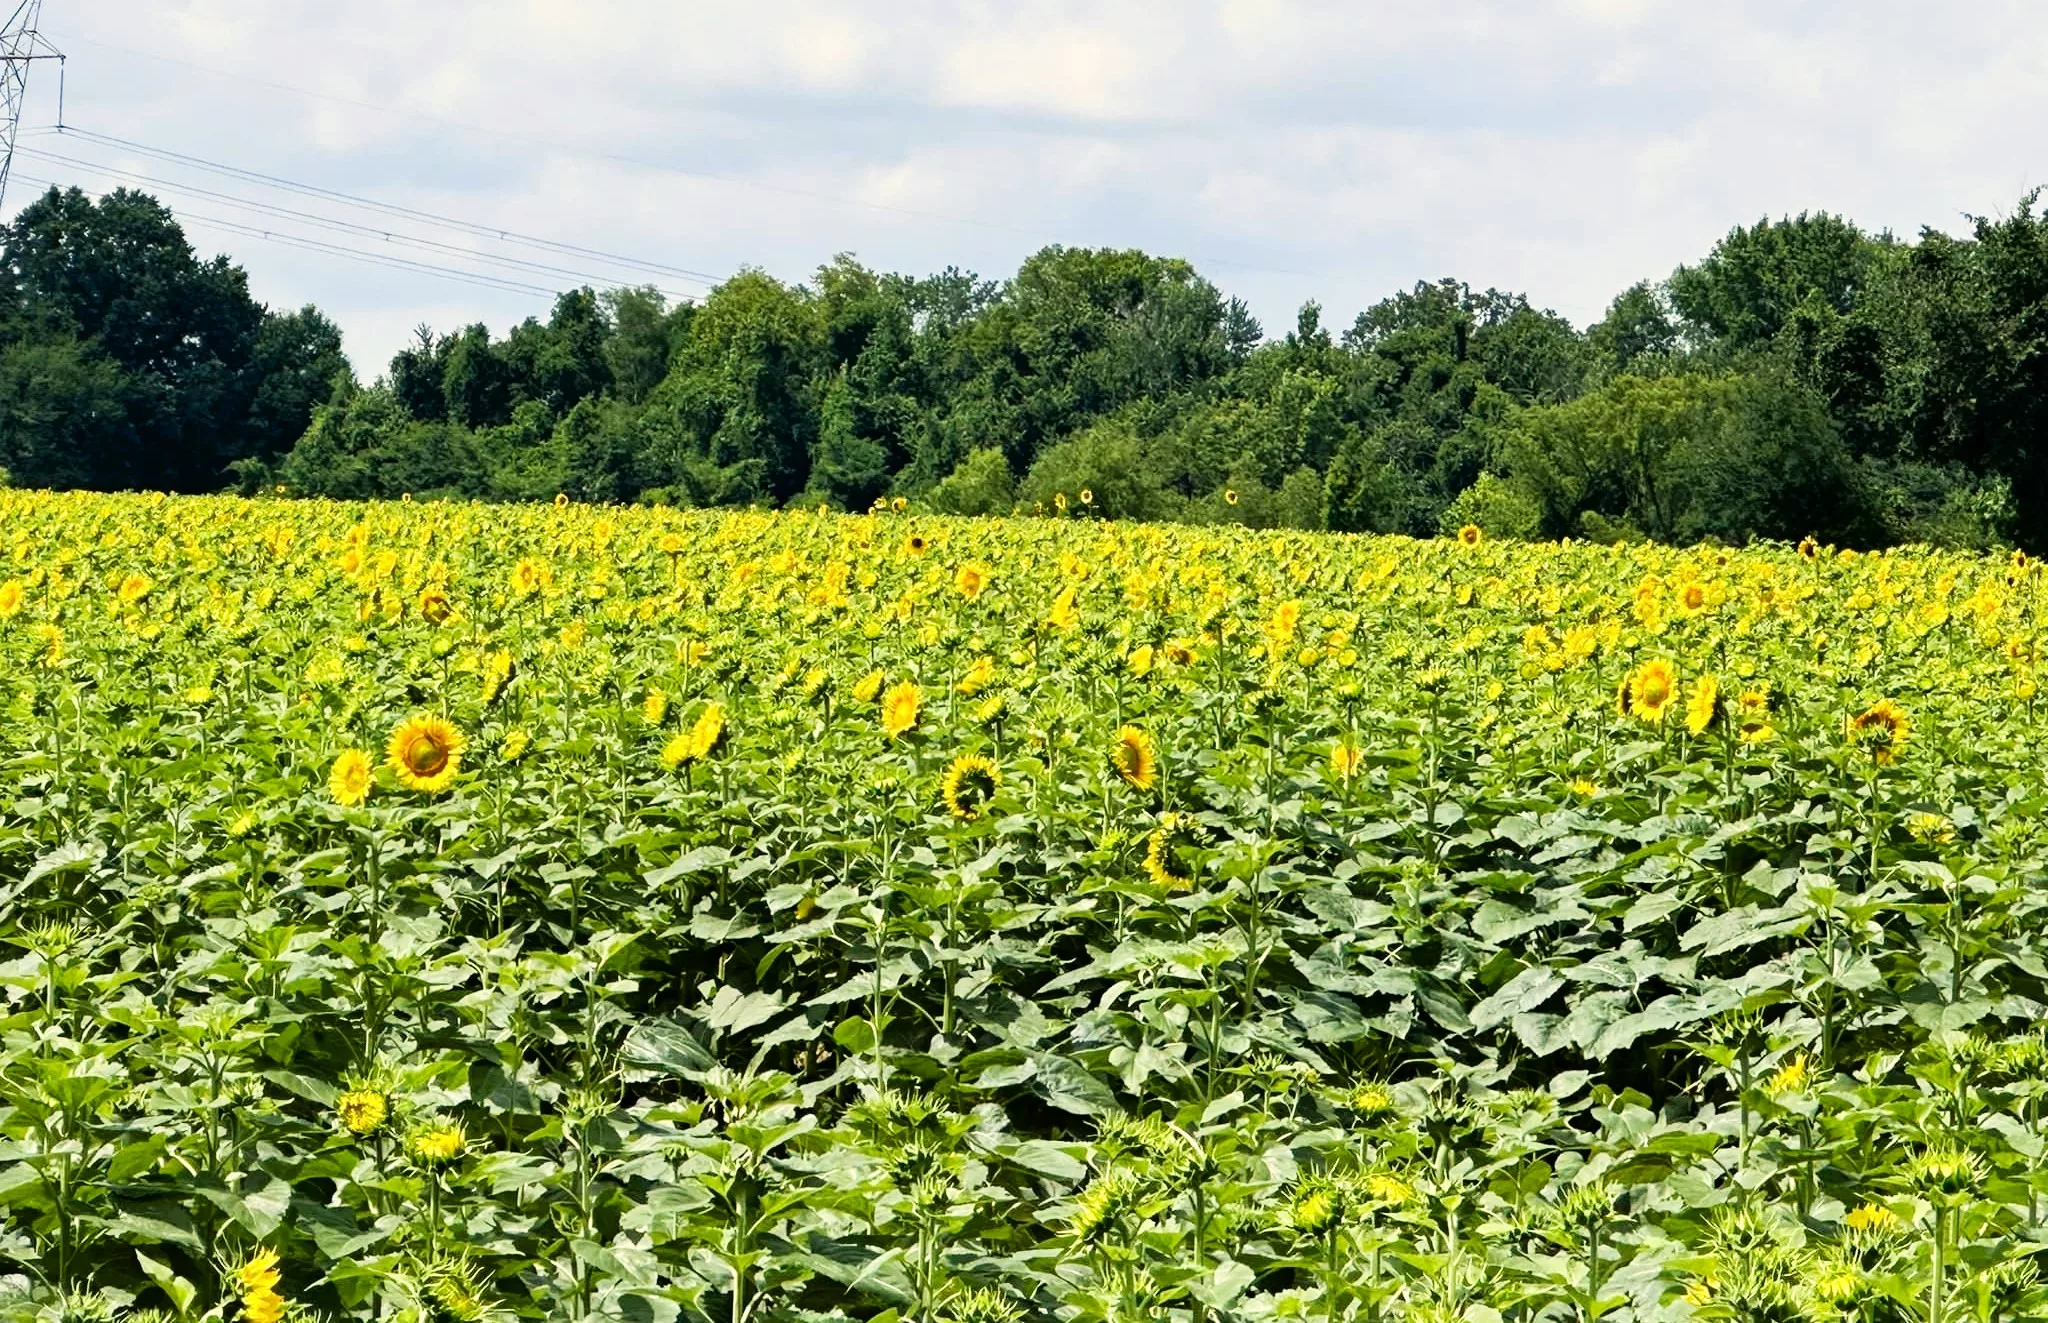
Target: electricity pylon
20,46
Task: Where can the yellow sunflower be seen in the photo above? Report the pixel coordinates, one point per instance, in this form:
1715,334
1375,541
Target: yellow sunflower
971,782
349,781
1345,757
1470,535
1703,709
899,708
434,605
1882,729
1652,691
865,688
426,753
256,1283
11,598
134,588
362,1111
707,732
1133,757
1163,864
971,580
437,1143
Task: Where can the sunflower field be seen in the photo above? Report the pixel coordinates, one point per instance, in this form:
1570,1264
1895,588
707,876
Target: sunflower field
449,912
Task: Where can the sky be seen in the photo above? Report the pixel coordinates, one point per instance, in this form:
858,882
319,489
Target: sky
1334,150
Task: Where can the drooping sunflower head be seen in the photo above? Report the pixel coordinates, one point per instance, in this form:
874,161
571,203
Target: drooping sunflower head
1703,709
1653,690
1881,730
435,607
900,707
1164,864
971,782
426,753
1133,758
707,732
349,781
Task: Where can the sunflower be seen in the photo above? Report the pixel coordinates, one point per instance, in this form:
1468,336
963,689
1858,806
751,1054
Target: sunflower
1883,729
529,577
865,688
1470,536
1163,863
134,588
349,781
916,544
437,1143
434,606
256,1283
979,672
1133,758
1345,757
971,782
1651,691
707,732
426,753
362,1111
514,745
1753,716
11,598
971,580
899,708
1703,709
654,706
1087,496
1809,549
1230,496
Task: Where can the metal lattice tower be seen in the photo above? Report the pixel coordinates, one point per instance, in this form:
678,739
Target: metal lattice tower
20,47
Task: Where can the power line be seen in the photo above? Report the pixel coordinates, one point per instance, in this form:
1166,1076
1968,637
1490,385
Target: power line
329,222
641,163
340,250
387,208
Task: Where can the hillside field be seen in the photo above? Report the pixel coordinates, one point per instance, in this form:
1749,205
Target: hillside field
453,912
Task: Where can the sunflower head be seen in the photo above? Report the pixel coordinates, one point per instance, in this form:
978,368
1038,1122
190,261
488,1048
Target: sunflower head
971,782
1652,691
434,605
349,781
1881,730
1132,757
1470,536
1703,709
900,707
1163,862
971,580
426,753
363,1111
707,733
437,1144
1346,757
11,598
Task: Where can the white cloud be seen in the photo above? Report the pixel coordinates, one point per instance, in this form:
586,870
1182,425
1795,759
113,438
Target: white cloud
1334,149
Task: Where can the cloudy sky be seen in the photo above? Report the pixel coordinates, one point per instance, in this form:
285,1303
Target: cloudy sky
1293,149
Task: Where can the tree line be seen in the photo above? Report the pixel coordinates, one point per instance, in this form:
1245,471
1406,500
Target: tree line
1803,377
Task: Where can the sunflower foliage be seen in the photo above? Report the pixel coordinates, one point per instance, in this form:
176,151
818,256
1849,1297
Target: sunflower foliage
440,912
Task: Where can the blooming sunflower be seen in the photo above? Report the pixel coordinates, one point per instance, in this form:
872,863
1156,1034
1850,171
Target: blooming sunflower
971,580
1133,758
134,588
899,708
1703,709
1163,863
971,782
349,781
434,605
11,598
865,688
256,1282
1345,757
426,753
707,732
1470,536
654,706
1882,729
979,673
1652,691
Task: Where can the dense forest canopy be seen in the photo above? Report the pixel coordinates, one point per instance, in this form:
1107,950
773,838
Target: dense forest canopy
1803,377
